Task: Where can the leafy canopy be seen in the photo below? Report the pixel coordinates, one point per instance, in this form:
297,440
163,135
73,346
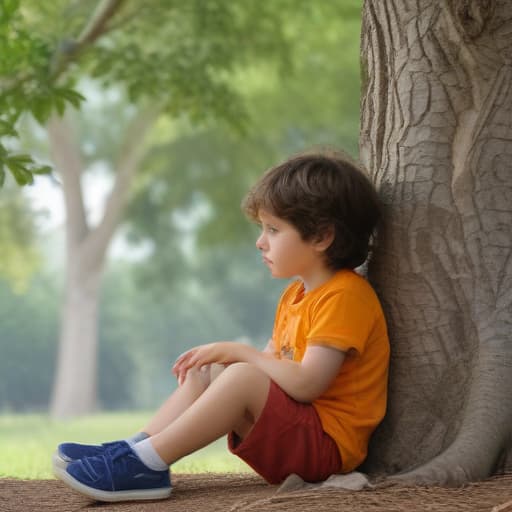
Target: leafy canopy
178,54
26,86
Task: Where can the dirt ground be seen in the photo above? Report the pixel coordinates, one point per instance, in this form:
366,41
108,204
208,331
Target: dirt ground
240,493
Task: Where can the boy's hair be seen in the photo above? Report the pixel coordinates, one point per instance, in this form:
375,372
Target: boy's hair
315,193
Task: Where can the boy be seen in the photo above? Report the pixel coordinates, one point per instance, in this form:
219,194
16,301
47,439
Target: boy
308,403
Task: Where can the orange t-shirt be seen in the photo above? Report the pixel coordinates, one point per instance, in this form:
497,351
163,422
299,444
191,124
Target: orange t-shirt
343,313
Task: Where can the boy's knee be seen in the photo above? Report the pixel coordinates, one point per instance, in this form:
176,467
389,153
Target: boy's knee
252,383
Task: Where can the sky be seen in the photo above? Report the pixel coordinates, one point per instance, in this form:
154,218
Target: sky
46,195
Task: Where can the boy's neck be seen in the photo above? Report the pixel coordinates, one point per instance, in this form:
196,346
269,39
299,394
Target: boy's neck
317,278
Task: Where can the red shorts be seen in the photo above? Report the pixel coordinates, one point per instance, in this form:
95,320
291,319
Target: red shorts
287,438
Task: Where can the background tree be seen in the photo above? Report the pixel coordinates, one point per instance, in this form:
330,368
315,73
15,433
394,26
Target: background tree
169,58
436,135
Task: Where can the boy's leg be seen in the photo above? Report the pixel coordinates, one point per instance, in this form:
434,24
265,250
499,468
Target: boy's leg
233,402
196,382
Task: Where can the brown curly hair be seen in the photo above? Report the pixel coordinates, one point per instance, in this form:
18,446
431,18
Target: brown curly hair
317,192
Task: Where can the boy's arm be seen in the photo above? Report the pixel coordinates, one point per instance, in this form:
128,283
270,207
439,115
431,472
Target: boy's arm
304,381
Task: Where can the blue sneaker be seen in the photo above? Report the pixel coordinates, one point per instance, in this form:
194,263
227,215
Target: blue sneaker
70,452
116,475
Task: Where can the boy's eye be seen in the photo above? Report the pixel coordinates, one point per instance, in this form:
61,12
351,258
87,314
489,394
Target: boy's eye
271,229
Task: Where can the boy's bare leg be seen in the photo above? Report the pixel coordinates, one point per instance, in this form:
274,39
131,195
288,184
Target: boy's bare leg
196,382
233,402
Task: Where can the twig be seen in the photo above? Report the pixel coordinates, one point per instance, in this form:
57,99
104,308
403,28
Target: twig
96,26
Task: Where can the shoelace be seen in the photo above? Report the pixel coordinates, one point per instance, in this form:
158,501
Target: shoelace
117,452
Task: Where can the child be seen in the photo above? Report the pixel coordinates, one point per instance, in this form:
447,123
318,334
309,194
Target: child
309,402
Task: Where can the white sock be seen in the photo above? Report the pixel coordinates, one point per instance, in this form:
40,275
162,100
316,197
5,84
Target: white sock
149,456
139,436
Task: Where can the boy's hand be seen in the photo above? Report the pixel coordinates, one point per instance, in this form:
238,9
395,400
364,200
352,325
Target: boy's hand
222,352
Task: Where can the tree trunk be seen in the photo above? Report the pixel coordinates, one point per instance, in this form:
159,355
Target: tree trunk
75,385
436,137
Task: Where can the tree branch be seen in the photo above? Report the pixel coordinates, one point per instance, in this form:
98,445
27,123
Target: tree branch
96,26
66,155
130,155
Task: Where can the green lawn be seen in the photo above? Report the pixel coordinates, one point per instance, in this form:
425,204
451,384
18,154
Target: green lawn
27,442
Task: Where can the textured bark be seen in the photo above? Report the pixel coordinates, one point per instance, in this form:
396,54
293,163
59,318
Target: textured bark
436,136
75,385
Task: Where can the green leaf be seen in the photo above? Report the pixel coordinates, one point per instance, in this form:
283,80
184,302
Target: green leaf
2,176
21,174
21,159
41,111
72,96
44,169
60,105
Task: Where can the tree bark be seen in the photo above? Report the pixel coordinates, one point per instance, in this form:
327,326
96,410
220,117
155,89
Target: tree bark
75,388
436,137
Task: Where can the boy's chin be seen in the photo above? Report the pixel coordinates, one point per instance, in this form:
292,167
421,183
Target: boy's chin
280,275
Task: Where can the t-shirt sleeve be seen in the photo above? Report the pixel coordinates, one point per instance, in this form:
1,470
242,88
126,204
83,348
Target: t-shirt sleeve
341,320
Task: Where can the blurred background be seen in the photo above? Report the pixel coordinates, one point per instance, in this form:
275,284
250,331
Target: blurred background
233,88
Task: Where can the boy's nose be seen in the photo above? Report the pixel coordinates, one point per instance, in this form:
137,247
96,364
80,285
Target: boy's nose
260,242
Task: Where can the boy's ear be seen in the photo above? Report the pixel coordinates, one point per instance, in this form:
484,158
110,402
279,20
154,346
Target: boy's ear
325,239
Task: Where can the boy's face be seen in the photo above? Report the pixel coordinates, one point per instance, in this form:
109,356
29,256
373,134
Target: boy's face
285,252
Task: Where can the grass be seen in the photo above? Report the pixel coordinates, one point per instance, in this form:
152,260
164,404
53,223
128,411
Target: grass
27,442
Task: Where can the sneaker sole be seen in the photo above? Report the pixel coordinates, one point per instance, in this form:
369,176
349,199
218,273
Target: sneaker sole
111,496
58,461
